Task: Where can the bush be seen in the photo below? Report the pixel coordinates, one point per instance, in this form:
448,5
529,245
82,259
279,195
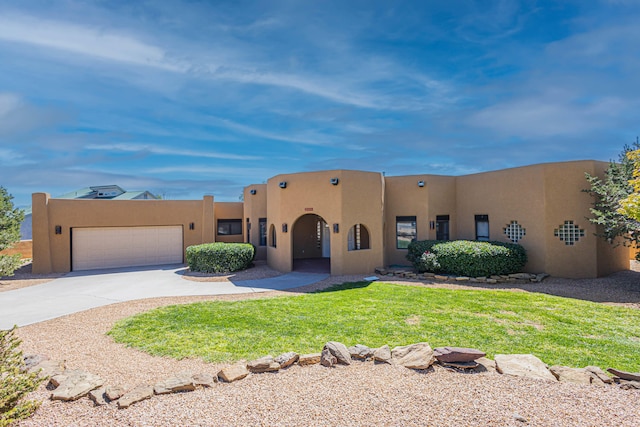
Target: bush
417,248
471,258
220,257
14,382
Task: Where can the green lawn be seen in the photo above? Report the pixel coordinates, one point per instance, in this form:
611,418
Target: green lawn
557,330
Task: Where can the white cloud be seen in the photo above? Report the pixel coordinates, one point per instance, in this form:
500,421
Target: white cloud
95,42
155,149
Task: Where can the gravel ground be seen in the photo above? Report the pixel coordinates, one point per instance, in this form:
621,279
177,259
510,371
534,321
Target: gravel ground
360,394
24,277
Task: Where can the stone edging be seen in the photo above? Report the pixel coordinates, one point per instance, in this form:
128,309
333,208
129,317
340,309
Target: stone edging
72,384
519,278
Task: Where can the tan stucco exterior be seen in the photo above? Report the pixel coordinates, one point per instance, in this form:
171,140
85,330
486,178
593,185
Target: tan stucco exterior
310,215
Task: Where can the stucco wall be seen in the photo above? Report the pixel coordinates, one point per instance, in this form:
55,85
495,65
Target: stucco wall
255,207
229,210
52,252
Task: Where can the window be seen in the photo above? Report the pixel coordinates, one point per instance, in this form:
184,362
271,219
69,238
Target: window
442,227
406,231
272,236
358,238
262,222
248,228
482,228
229,227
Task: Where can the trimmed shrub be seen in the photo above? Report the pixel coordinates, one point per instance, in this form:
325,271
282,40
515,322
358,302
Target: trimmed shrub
220,257
417,248
471,258
15,383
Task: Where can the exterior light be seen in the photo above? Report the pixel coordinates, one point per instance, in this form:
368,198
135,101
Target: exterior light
283,184
252,191
192,226
284,228
336,228
58,229
420,183
334,181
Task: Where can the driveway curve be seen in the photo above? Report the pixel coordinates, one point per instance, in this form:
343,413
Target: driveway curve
79,291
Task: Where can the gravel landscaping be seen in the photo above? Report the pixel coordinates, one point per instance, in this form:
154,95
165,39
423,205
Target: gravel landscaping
360,394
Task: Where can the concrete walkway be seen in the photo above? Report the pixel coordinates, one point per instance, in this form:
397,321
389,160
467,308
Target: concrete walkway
79,291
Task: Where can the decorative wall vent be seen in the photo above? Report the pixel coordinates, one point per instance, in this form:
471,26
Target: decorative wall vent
514,231
569,233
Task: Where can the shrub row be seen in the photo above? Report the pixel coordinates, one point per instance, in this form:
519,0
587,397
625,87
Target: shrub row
220,257
467,258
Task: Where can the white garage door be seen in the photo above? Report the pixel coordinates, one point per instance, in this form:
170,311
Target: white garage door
111,247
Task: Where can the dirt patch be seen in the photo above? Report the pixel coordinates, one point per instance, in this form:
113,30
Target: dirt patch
413,320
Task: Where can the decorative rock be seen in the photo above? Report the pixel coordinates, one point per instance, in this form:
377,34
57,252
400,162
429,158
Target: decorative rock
441,277
31,360
56,380
76,385
309,359
540,277
429,275
174,385
98,397
382,354
571,375
287,359
629,385
414,356
457,354
48,368
204,379
629,376
461,365
523,365
519,417
599,373
327,359
114,392
361,352
263,364
339,351
492,281
485,365
462,279
138,394
233,373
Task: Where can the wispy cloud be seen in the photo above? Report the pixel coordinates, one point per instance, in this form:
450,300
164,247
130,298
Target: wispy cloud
164,151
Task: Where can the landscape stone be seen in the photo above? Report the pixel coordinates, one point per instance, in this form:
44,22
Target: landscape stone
98,397
629,376
138,394
600,374
361,352
523,365
414,356
457,354
114,392
440,277
309,359
462,279
492,281
327,359
48,368
31,360
77,384
263,364
339,351
630,385
571,375
56,380
233,373
485,365
287,359
461,365
382,354
204,379
175,384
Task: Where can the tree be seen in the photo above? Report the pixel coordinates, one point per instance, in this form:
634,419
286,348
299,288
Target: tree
609,193
10,220
630,206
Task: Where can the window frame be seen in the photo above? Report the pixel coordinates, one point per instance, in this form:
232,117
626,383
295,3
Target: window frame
482,219
413,221
232,225
262,231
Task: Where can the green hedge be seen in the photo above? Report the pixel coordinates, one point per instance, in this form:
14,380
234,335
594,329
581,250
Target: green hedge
418,247
471,258
220,257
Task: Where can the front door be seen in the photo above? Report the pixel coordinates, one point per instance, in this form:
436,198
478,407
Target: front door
442,227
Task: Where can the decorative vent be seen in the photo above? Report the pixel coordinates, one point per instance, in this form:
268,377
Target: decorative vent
569,233
514,231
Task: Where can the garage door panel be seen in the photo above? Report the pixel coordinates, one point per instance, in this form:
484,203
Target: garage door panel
111,247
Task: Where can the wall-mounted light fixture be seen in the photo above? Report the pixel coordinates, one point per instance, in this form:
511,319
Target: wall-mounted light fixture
284,228
420,183
192,226
252,191
336,228
334,181
432,225
283,184
58,229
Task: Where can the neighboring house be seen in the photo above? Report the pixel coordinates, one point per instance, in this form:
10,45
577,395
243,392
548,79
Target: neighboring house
104,192
351,221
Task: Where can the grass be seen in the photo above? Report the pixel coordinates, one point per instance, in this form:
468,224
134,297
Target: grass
557,330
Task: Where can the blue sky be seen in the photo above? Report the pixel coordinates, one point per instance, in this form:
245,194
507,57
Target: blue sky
186,98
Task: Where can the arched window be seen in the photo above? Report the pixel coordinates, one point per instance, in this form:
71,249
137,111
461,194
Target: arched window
272,236
358,238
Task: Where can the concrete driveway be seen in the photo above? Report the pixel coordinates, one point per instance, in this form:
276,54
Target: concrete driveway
79,291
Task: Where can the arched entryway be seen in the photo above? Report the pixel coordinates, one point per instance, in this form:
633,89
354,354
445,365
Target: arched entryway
311,244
